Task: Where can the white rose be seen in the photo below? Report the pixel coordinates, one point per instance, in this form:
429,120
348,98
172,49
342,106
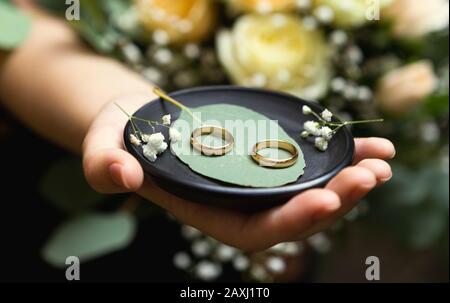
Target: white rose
276,51
402,89
414,18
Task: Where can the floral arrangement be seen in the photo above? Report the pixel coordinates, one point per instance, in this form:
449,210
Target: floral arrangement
360,59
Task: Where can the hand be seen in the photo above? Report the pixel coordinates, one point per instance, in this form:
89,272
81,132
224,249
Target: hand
110,169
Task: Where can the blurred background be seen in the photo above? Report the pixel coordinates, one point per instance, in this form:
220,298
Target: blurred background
362,59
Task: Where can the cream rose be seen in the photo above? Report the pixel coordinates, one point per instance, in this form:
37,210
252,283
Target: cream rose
402,89
262,6
276,51
414,18
182,21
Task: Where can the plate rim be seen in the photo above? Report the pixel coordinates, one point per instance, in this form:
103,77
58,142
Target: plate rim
236,189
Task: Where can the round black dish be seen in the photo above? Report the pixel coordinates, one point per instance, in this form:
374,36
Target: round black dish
176,177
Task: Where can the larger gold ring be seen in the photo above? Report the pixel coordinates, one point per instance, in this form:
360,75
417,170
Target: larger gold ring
275,163
212,150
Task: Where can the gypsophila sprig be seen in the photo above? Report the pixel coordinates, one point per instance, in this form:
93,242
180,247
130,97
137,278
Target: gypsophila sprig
325,128
154,143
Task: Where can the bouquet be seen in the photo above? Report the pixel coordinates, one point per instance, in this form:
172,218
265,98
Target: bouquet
361,59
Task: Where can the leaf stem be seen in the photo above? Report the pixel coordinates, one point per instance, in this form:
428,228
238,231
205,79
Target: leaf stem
166,97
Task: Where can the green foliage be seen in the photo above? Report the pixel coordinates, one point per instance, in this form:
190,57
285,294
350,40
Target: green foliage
437,105
14,26
89,236
64,186
237,168
414,205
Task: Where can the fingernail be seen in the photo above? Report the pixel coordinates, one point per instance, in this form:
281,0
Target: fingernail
384,180
116,172
394,154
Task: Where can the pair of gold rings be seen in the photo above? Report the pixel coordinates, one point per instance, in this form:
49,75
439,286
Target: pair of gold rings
228,145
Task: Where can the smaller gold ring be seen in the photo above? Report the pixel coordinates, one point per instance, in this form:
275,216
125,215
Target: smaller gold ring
275,163
214,131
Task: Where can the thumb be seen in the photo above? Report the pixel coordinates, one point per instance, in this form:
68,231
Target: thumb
108,168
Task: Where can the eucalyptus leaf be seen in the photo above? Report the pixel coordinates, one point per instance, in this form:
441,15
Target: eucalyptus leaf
89,236
64,186
237,167
14,26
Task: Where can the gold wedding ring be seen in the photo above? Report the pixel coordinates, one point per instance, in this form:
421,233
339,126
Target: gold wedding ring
275,163
214,131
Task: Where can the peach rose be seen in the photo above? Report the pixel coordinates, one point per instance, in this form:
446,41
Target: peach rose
182,21
402,89
414,18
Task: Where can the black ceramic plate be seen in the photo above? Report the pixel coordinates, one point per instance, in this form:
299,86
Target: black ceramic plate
176,177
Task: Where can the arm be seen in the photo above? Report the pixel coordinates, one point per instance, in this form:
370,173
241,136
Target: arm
66,94
57,87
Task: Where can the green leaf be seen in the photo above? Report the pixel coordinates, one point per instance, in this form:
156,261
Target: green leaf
437,105
64,186
426,226
14,26
89,236
237,167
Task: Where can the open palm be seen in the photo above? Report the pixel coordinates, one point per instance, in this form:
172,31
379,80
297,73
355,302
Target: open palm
110,169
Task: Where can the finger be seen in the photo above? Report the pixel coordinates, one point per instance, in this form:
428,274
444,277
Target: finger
287,222
371,148
107,166
351,185
249,232
381,169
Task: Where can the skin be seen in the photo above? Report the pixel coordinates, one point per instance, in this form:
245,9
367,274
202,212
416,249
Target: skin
66,93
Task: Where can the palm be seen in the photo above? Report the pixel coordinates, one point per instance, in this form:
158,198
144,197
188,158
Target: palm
110,169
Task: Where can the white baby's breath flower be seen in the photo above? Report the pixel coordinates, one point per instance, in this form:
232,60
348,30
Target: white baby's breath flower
182,260
324,14
155,145
338,37
163,56
150,152
312,127
208,271
241,263
134,140
327,115
192,51
321,144
326,133
201,248
161,37
304,134
225,253
132,52
338,84
162,148
306,110
154,140
166,119
174,135
258,272
276,265
320,243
